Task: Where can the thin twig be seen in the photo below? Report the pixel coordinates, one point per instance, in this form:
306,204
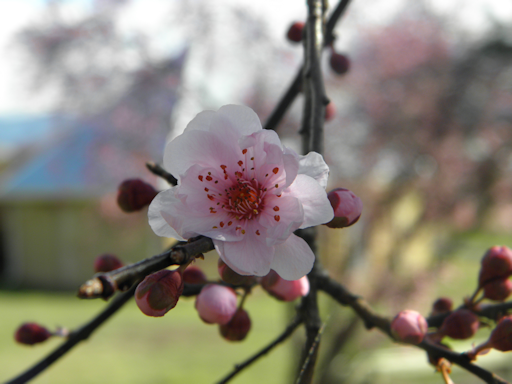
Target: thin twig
294,89
282,337
159,171
75,337
104,285
312,352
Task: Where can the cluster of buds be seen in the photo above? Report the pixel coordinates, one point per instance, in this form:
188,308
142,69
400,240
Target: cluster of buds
285,290
496,268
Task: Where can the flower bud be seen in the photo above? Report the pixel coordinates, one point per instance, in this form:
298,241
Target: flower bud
159,292
339,63
501,336
216,304
231,277
194,275
134,194
409,327
31,333
107,263
496,263
442,305
498,289
347,208
294,33
238,327
461,324
330,111
285,290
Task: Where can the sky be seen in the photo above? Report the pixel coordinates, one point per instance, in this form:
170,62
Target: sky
17,98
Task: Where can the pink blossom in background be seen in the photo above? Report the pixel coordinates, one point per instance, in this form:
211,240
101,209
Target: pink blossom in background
239,186
409,326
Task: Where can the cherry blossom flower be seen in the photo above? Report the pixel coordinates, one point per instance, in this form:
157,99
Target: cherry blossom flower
239,186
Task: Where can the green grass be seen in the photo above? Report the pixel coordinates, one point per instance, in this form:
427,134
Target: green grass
134,348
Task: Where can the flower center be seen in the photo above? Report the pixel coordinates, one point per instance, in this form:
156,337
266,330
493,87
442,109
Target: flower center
244,199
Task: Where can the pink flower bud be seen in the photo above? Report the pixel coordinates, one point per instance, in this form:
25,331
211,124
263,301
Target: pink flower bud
442,305
347,208
501,336
159,292
107,263
285,290
498,289
134,194
238,327
31,333
409,327
294,33
496,263
194,275
339,63
216,304
461,324
231,277
330,111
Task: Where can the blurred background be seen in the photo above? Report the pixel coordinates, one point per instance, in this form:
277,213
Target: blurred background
91,89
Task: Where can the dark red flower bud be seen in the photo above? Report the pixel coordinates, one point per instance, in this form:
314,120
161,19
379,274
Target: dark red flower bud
498,289
409,326
238,327
461,324
347,208
107,263
31,333
134,194
294,33
159,292
442,305
496,263
339,63
194,275
231,277
501,336
330,111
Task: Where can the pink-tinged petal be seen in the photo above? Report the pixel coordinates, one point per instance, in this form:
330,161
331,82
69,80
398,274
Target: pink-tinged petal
317,208
293,259
281,216
313,165
291,166
201,122
202,148
156,220
242,118
250,256
259,138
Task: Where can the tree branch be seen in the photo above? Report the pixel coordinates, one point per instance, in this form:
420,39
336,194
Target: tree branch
282,337
293,90
159,171
104,285
75,337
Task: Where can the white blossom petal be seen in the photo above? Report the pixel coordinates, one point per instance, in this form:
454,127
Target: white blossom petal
313,165
156,211
317,208
247,257
293,259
